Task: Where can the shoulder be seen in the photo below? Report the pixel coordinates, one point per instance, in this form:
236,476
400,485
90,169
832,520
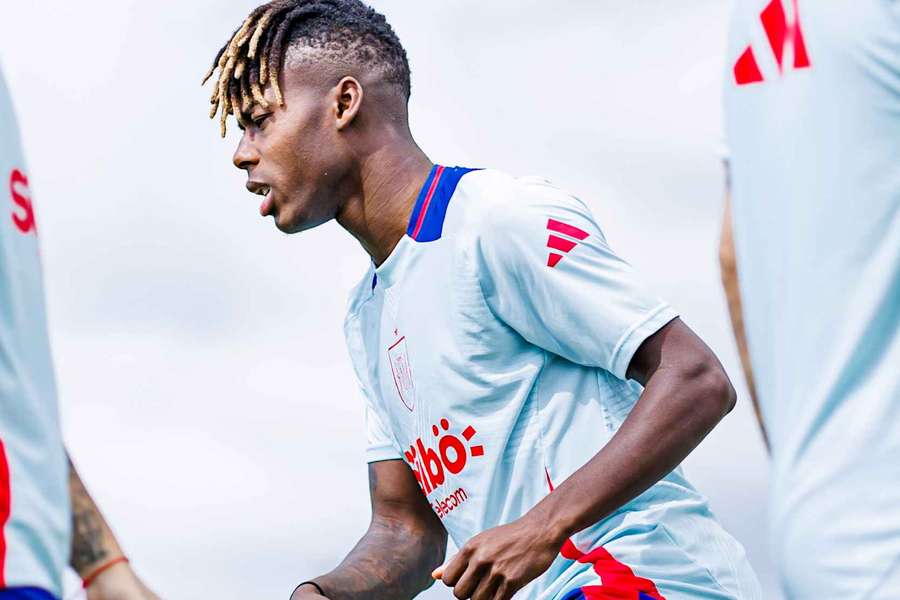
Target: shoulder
499,207
497,190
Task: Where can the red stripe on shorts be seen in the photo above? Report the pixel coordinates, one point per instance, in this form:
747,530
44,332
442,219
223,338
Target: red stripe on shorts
5,503
618,580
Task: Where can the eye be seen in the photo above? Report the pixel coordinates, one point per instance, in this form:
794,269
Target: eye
259,120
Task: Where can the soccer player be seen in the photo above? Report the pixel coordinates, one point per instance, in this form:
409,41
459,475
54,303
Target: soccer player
47,518
812,104
524,391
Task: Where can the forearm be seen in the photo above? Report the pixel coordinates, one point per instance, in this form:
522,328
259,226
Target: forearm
93,542
394,559
675,412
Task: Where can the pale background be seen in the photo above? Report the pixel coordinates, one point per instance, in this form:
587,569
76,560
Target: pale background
205,390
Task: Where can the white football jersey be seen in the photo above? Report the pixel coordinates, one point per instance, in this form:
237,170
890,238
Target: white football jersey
35,517
812,105
492,347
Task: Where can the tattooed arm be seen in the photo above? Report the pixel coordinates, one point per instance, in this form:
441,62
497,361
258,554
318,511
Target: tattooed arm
404,543
94,545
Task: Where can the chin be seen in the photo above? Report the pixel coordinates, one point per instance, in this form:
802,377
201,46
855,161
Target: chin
284,226
293,223
288,228
295,219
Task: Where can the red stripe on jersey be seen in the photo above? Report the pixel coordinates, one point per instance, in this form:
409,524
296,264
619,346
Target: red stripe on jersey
801,58
549,482
566,229
746,70
5,505
775,25
561,244
427,201
553,259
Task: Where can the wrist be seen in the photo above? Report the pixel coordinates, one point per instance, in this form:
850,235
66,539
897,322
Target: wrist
103,570
549,523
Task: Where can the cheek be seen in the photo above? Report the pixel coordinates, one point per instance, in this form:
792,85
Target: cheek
317,156
309,151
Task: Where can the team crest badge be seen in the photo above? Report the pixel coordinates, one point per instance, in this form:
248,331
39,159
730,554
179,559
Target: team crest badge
402,372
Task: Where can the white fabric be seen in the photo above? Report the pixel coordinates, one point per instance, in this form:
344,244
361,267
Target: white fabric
37,532
815,158
475,330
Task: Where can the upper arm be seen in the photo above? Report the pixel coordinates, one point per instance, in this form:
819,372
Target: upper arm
583,302
674,346
678,351
396,495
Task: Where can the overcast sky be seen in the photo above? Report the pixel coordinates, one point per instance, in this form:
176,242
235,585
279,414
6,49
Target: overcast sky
206,393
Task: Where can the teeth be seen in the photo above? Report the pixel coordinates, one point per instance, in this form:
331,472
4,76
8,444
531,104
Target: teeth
264,191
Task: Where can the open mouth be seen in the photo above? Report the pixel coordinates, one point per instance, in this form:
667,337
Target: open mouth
259,188
264,190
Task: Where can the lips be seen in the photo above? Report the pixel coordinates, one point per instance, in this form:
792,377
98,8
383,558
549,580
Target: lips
266,207
265,190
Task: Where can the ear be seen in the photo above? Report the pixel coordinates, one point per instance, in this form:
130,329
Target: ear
348,99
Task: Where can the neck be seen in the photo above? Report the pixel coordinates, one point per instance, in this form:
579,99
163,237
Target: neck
390,180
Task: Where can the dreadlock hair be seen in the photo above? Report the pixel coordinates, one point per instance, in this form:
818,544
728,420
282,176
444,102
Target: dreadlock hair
346,32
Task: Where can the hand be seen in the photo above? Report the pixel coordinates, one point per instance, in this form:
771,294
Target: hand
497,563
119,582
307,592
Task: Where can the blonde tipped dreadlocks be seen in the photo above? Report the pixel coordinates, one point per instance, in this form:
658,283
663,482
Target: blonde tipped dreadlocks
344,30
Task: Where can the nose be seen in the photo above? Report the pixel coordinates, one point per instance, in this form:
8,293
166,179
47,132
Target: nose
246,155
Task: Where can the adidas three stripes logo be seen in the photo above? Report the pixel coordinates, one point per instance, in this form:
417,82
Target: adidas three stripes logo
781,34
563,238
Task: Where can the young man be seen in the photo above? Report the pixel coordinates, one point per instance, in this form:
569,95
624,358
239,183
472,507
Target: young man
500,344
812,105
47,518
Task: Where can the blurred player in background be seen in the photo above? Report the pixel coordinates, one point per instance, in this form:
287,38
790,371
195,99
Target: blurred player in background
812,271
47,518
502,347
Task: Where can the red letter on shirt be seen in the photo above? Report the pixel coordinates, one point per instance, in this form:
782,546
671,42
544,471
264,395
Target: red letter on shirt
24,220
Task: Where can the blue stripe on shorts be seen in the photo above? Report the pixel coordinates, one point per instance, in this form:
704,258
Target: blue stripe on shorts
579,595
26,593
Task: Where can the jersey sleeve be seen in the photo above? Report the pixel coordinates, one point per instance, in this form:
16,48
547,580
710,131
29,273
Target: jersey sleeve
547,271
380,444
